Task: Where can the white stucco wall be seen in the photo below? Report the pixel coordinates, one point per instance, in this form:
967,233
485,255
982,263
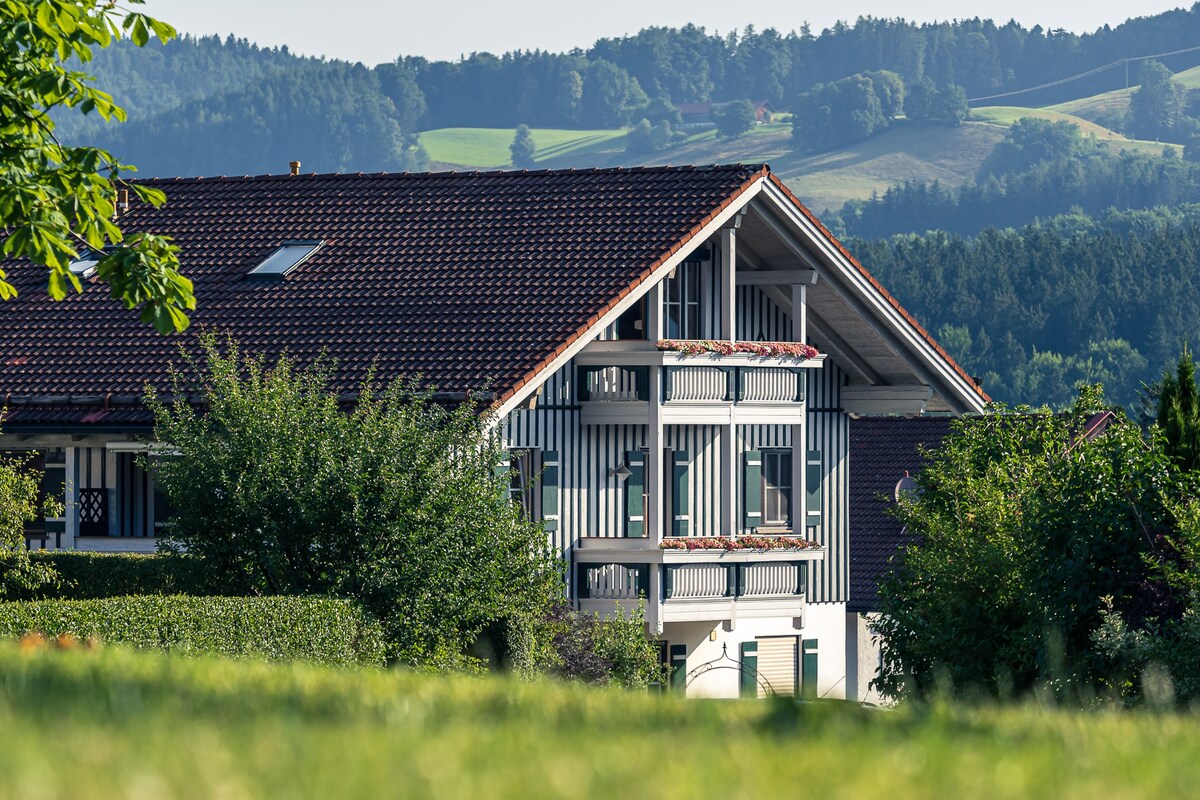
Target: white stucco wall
825,622
862,659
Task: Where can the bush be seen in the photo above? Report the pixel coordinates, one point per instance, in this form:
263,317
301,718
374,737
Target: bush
316,629
281,490
83,576
574,645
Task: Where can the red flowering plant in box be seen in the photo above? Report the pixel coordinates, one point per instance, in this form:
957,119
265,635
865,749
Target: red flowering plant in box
698,347
740,543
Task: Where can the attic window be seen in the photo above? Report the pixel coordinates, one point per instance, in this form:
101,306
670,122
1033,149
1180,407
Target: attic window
285,258
85,265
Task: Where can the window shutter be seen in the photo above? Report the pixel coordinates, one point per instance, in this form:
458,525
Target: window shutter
749,682
813,478
752,488
635,504
549,487
808,669
679,667
501,473
681,521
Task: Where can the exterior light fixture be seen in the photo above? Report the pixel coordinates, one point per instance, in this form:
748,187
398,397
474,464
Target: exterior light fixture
620,472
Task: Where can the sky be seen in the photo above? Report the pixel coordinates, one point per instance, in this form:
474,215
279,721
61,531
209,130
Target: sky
375,31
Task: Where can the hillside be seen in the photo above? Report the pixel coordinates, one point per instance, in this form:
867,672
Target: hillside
825,181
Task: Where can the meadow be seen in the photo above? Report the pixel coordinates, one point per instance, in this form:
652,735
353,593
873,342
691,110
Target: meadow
111,723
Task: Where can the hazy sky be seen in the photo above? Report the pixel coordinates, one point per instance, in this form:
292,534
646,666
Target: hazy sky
373,31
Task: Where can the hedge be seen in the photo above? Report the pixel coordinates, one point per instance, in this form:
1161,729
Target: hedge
315,629
90,575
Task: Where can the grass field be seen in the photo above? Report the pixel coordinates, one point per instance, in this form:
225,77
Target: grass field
488,147
85,725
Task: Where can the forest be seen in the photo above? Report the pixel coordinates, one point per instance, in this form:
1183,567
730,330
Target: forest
1064,260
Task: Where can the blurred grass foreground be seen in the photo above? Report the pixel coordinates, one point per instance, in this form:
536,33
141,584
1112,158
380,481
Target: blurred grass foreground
107,723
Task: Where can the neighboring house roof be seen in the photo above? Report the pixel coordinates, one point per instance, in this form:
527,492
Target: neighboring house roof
882,451
464,278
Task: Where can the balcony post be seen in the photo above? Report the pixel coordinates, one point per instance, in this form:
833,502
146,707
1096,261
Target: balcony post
799,313
728,326
655,442
729,466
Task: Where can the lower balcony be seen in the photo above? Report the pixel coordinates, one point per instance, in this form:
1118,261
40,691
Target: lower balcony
691,585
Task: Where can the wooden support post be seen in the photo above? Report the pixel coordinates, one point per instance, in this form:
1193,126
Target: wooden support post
799,313
71,501
729,467
728,327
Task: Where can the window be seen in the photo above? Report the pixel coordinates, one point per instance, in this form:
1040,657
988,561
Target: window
683,302
522,476
85,265
285,258
777,488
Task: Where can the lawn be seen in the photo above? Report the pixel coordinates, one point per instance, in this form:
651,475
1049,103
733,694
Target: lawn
118,724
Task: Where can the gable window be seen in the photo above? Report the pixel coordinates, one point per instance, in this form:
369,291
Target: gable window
84,265
285,258
777,488
683,302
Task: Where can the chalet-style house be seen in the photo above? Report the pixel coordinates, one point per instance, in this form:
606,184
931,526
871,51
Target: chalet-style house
674,356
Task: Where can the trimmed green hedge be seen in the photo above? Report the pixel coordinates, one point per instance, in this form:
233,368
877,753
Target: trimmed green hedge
90,575
316,629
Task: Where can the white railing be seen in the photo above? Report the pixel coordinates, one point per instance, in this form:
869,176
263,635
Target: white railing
770,579
699,580
612,582
698,383
613,384
770,385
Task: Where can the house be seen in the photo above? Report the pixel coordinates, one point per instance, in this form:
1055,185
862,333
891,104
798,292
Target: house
702,113
674,355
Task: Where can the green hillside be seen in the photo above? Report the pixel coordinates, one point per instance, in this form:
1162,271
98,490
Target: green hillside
114,724
825,181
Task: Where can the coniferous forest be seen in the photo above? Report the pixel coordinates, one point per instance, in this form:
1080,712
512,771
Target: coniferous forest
1064,260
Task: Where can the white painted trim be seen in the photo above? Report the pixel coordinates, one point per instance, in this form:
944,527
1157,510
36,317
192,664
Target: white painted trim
851,278
663,269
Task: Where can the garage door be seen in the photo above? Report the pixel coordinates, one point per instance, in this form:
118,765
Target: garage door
777,665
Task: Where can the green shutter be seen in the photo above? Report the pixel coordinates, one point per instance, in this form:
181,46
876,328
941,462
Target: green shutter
679,667
752,489
635,505
749,669
501,473
808,669
549,487
813,476
681,521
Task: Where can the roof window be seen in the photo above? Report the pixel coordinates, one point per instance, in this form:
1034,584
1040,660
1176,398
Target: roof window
285,258
84,266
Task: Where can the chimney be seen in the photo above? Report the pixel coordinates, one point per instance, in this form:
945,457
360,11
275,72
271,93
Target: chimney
122,202
295,165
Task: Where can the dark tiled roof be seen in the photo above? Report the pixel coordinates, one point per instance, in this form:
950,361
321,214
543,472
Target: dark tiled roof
882,449
464,278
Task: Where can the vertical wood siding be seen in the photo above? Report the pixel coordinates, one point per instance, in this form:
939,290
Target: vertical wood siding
592,501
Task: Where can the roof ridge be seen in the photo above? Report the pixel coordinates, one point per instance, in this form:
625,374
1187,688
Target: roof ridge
478,173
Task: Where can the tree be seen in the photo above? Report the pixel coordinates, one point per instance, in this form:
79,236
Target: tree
1031,141
57,201
522,148
1156,109
1025,530
735,118
20,502
1178,414
395,503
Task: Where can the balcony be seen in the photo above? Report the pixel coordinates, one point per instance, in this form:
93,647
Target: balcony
691,586
615,387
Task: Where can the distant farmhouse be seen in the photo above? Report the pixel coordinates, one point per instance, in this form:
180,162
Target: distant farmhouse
674,357
702,113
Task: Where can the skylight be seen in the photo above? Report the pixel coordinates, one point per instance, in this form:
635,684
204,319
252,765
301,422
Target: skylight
285,258
85,265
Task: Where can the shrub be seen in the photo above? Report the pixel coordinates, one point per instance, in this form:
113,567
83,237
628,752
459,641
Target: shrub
574,645
83,576
280,489
20,490
316,629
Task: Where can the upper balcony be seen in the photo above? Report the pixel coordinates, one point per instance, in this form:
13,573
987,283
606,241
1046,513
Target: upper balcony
696,388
